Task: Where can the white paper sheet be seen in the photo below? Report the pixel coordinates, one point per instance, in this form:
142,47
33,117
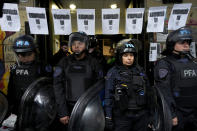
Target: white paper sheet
134,20
153,52
110,21
37,20
11,19
156,17
178,16
86,20
193,49
62,21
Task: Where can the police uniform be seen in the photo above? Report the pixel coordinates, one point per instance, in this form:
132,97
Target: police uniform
176,77
128,111
71,79
126,90
23,74
20,78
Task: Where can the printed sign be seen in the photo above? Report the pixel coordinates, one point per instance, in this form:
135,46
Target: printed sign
193,49
156,17
37,20
11,19
134,20
62,21
110,21
178,16
86,20
153,52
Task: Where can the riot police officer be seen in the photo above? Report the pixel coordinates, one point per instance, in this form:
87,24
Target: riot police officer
176,77
74,74
126,89
26,70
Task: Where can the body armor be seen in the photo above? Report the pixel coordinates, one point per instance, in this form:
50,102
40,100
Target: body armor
130,90
23,76
79,77
185,83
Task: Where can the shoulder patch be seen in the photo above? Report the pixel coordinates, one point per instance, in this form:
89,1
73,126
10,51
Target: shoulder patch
57,71
163,73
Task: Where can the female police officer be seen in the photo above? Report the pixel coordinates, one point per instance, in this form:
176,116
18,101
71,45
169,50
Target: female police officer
125,91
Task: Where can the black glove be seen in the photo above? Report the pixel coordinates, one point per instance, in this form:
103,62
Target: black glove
109,125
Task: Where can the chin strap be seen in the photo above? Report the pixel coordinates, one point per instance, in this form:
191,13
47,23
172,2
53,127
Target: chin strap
188,55
28,63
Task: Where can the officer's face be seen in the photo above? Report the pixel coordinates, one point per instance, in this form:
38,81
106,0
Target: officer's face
26,57
182,46
127,59
78,46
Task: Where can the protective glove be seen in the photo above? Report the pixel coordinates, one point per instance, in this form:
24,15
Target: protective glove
109,125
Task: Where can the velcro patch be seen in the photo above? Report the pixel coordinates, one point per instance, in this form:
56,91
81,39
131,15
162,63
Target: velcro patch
163,73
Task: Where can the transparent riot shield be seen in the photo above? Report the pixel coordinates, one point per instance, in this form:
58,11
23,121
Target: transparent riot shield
3,106
37,109
88,114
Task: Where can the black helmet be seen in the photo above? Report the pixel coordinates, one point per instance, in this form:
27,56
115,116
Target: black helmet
125,46
79,36
24,43
181,34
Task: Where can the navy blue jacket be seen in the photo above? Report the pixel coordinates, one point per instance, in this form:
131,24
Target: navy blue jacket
110,83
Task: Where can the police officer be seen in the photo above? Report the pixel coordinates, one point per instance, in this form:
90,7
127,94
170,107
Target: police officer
74,74
63,51
126,89
24,72
94,51
176,77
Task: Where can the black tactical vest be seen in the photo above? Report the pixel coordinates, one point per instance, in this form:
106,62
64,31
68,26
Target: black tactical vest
79,77
23,76
130,90
185,83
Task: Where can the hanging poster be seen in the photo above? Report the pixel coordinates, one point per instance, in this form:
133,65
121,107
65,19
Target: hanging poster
62,21
193,49
153,52
178,16
11,19
134,20
37,20
110,21
156,17
86,20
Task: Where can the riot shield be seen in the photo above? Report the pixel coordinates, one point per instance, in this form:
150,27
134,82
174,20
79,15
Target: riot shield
162,115
3,106
37,108
88,114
